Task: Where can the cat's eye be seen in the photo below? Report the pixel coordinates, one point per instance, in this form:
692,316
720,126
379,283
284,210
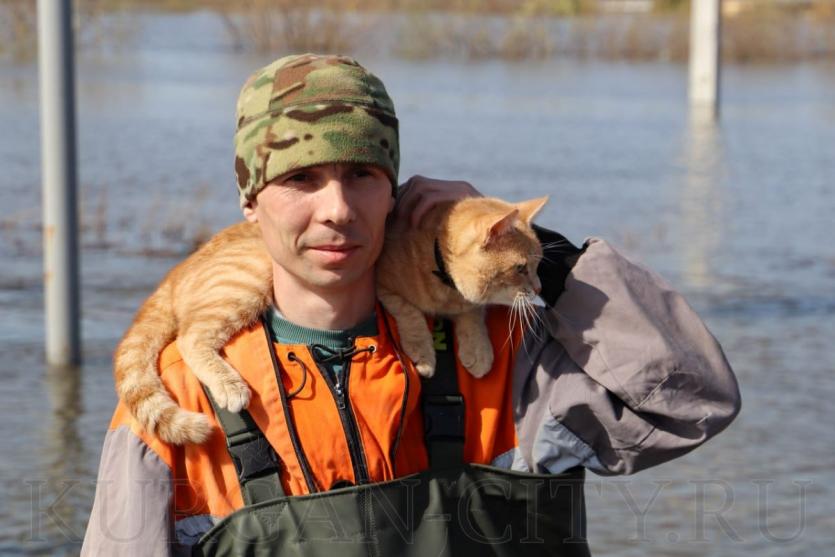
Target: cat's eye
522,269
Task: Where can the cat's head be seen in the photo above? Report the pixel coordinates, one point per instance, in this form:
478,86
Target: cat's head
493,251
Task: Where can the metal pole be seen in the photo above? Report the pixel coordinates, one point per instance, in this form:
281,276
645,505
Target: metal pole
58,164
705,33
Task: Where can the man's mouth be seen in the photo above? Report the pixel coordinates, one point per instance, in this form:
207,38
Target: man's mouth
334,247
334,253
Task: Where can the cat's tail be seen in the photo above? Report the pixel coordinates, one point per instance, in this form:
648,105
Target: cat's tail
138,383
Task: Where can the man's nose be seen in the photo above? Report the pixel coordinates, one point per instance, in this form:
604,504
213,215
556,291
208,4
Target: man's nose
337,205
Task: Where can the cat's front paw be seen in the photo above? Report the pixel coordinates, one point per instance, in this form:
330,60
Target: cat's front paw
424,368
478,360
420,350
424,360
232,394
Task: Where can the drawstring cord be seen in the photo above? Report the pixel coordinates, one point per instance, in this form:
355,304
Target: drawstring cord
292,357
341,354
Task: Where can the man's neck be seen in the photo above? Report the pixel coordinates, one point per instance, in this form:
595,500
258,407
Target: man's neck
329,309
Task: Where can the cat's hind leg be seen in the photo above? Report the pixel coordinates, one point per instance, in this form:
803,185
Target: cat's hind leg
415,336
475,351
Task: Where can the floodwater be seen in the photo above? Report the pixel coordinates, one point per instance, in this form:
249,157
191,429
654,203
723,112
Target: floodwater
738,216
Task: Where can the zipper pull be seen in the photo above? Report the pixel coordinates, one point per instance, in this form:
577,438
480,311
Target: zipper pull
340,394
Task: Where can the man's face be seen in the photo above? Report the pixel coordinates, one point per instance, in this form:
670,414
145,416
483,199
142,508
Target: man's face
324,225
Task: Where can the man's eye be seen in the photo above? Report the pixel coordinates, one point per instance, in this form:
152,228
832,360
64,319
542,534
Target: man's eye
362,173
298,177
522,269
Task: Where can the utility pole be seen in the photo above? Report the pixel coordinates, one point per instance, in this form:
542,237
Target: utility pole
58,167
705,33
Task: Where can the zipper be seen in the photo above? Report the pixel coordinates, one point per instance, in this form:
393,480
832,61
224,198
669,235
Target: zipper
339,390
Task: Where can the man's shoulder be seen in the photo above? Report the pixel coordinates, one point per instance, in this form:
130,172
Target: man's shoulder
172,365
246,352
176,375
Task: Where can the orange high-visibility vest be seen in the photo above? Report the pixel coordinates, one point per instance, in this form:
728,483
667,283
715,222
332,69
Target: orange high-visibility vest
372,432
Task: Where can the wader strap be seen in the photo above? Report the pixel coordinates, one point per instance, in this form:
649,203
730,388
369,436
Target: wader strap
255,460
443,405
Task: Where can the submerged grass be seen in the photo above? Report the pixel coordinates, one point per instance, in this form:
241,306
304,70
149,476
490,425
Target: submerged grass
291,26
162,228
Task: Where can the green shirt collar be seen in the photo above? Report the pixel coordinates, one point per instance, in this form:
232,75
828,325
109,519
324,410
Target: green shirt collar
289,333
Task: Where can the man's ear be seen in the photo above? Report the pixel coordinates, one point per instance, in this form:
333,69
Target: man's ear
249,211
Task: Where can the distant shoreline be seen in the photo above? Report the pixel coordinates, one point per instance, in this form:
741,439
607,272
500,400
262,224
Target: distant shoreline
489,30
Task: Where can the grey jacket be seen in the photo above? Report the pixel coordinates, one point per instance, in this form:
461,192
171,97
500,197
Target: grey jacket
619,375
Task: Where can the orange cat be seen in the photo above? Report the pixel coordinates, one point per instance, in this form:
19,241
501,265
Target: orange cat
202,302
489,252
467,254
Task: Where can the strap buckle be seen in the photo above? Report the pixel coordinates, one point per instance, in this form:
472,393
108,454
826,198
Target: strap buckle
443,417
252,456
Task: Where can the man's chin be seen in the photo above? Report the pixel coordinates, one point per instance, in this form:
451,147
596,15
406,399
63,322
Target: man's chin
336,278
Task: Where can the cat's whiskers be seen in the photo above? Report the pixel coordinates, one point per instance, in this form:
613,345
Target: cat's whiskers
536,318
515,319
523,305
537,256
554,244
523,312
527,309
535,322
515,316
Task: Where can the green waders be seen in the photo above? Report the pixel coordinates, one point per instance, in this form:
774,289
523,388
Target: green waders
449,510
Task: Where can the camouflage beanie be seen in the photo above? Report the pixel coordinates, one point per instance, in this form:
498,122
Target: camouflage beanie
307,109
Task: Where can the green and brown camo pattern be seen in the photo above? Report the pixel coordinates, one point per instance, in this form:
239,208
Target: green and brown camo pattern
310,109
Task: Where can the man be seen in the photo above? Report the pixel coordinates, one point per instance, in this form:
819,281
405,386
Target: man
622,374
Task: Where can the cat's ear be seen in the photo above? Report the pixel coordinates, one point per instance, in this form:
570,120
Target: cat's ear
500,227
529,209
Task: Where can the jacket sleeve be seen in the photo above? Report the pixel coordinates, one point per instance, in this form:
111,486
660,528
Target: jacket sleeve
131,513
621,374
